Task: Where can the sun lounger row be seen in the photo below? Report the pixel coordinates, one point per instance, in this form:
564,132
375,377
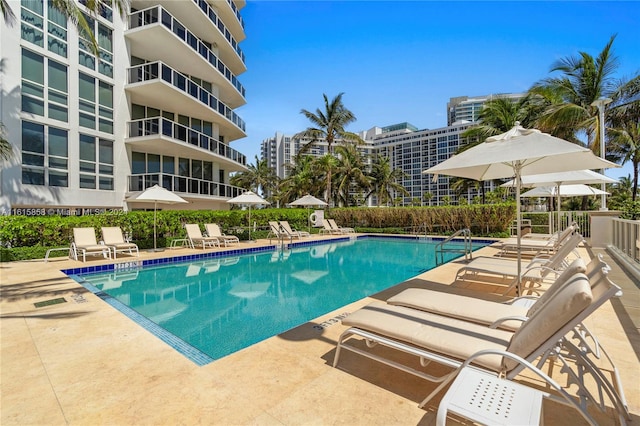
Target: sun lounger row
214,236
329,226
450,329
85,243
538,245
282,230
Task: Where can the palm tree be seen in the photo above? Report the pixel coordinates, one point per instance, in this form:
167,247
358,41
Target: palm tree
584,79
620,192
329,125
260,178
384,181
624,129
302,179
350,173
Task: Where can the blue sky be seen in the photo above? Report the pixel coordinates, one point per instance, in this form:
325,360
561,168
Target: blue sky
402,61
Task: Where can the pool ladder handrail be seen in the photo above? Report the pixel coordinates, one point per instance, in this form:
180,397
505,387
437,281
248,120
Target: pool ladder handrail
467,250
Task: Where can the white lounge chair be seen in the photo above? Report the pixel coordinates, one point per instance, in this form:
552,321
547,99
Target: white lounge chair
510,245
197,239
275,230
112,237
340,229
85,243
213,230
328,229
293,232
451,341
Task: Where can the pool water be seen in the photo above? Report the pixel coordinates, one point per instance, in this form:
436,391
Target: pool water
222,305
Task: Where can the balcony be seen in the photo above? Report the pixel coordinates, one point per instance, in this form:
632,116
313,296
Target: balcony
158,85
155,35
166,137
183,186
203,20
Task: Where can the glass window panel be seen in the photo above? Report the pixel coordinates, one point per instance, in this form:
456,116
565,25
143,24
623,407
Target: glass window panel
207,128
58,163
32,159
168,115
183,167
104,38
153,112
56,16
87,167
57,178
32,35
57,142
87,181
138,163
105,170
106,151
33,106
88,121
57,97
56,46
57,112
86,59
105,69
57,76
196,169
87,87
184,120
87,148
153,163
106,94
137,112
105,112
105,126
168,165
33,5
32,176
106,183
32,137
207,170
87,106
32,66
196,124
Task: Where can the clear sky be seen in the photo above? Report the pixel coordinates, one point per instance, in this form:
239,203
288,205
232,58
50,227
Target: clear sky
400,61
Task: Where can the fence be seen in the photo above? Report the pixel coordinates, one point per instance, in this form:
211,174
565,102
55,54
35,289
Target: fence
626,237
544,222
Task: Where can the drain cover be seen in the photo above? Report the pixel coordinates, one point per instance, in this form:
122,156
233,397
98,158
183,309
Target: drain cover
50,302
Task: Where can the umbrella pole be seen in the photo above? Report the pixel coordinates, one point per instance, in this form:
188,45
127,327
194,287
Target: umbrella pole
155,205
518,230
558,206
249,222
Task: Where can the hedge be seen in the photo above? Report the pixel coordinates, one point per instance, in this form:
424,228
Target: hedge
24,237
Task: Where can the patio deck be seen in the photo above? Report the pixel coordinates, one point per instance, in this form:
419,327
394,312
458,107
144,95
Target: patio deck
82,362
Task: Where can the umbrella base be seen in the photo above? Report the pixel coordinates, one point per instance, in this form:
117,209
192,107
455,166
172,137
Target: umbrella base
156,250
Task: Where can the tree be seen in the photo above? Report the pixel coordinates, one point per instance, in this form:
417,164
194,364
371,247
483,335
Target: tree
384,181
350,173
303,178
260,178
329,125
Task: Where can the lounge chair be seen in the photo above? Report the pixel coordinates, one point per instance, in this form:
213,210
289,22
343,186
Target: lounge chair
535,270
340,229
327,228
294,233
85,243
510,245
197,239
213,230
275,230
451,341
112,237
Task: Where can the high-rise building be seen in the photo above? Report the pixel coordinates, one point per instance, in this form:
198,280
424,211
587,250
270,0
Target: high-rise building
156,106
466,109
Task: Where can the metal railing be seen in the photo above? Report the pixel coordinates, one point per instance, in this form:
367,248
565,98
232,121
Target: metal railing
158,14
626,237
213,17
171,129
466,249
544,222
183,184
160,71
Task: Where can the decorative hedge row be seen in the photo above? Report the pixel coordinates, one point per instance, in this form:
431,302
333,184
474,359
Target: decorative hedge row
23,237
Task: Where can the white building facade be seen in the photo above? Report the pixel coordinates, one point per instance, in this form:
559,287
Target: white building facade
157,106
465,108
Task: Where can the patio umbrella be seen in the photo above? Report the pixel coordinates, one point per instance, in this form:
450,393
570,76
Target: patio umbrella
516,153
248,198
578,190
562,178
308,201
157,194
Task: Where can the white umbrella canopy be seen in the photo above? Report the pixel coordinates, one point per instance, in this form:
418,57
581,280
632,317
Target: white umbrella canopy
157,194
248,198
517,153
569,177
578,190
308,201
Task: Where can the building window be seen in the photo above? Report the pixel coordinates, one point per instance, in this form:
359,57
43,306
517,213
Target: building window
104,38
38,98
96,163
44,155
32,21
89,91
56,31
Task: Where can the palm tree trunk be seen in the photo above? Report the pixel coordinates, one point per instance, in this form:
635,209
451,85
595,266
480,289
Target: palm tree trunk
634,192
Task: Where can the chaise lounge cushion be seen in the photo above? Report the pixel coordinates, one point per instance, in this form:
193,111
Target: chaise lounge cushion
566,304
449,336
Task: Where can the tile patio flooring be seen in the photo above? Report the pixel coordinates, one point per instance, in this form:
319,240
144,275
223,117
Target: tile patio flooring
84,363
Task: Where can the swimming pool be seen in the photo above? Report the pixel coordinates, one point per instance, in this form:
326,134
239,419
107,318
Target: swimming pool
220,305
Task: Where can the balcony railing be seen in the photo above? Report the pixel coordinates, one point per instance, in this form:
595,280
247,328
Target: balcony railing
213,17
183,184
158,70
235,10
157,125
157,14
